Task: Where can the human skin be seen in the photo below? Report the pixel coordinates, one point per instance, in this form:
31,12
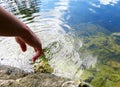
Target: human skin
12,27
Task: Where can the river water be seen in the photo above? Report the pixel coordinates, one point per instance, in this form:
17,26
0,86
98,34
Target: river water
55,22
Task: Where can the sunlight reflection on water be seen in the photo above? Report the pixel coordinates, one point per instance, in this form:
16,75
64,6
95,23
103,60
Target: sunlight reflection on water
47,25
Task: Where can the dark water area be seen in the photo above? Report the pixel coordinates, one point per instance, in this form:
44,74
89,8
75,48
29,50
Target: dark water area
82,11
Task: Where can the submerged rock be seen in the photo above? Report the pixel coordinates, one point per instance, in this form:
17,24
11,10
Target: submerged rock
14,77
7,72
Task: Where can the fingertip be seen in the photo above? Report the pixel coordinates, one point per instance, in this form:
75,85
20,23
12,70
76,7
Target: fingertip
37,54
23,47
35,57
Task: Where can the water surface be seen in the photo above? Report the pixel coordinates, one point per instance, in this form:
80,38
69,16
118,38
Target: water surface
59,24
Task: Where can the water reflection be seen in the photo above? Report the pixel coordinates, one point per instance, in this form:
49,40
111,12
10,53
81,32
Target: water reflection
61,27
49,25
28,7
107,2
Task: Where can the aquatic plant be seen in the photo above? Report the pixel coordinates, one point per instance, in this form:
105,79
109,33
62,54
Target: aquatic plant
42,65
107,49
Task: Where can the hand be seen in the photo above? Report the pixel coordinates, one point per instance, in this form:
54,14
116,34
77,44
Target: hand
11,26
22,42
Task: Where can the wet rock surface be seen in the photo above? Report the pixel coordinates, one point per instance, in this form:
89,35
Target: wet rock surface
14,77
7,72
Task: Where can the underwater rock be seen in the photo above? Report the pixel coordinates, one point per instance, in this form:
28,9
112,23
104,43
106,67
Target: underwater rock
83,85
116,37
14,77
7,72
75,84
114,64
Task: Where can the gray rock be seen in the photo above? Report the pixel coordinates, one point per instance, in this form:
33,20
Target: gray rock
7,72
14,77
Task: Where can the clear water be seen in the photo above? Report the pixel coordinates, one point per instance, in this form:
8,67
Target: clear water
55,22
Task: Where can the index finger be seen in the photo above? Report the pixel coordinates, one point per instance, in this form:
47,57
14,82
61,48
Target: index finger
37,54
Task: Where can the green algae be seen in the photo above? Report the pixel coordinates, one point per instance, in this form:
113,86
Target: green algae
101,45
107,70
42,65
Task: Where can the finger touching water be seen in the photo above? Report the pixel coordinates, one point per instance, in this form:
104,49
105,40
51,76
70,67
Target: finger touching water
37,54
